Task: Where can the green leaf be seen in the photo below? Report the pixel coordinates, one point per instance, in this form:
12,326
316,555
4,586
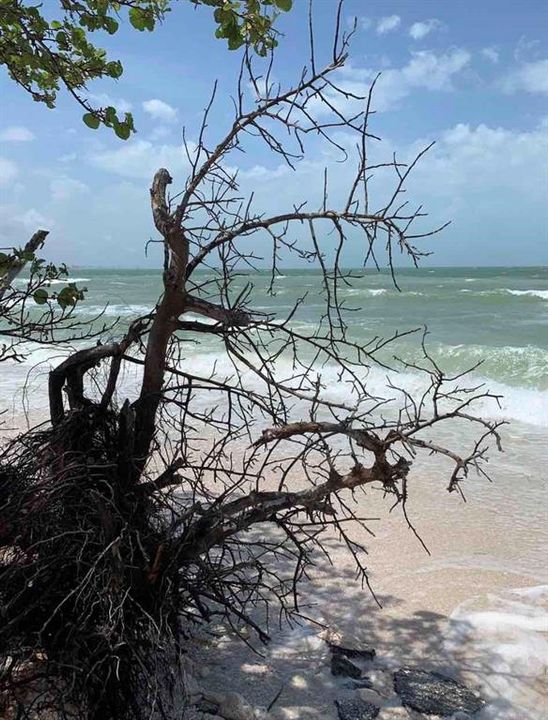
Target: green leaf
122,130
114,69
235,41
110,114
136,19
40,296
91,121
66,297
111,25
128,120
78,35
284,5
73,60
140,19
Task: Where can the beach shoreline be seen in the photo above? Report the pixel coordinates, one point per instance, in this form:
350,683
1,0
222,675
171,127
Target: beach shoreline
460,614
476,607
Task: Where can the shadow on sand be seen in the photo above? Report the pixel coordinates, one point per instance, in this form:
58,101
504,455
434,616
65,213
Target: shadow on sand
293,670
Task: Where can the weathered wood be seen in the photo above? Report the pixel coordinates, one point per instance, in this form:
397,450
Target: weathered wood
36,242
71,370
164,323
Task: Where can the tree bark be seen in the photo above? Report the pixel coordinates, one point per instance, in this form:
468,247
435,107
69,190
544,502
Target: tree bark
36,241
170,306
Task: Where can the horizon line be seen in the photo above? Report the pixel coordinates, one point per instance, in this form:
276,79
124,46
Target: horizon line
349,267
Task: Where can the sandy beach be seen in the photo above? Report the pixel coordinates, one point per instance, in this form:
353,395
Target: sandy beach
274,360
476,609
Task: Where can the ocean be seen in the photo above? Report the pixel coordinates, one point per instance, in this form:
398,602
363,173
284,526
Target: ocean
496,316
495,319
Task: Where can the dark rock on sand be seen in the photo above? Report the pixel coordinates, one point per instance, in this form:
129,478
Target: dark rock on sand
342,667
359,683
356,709
365,652
207,707
434,694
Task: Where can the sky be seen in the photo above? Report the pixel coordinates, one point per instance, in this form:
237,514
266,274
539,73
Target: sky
471,75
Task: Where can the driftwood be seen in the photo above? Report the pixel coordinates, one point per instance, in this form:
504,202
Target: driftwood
35,243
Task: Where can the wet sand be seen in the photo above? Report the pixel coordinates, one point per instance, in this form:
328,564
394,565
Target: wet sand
475,609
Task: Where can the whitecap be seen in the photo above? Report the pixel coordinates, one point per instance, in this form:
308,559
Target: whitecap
518,404
64,281
543,294
113,310
373,292
59,281
526,405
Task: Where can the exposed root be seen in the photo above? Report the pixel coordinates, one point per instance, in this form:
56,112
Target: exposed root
88,613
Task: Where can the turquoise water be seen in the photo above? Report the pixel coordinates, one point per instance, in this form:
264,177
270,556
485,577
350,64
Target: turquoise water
494,316
498,315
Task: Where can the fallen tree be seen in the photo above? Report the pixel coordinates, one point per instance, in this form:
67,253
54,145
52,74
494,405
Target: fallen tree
125,519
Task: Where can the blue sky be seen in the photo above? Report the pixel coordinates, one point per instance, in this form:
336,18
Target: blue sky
471,75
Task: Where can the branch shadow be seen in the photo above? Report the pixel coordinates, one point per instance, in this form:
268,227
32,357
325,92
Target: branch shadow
292,672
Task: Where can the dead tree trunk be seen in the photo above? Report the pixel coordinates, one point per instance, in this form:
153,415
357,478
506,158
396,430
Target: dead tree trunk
118,522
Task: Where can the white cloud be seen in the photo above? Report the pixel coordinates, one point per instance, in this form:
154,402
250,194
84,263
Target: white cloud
488,172
68,157
17,225
434,72
260,172
425,70
16,133
160,110
8,171
388,23
365,23
104,100
490,181
491,53
531,77
496,145
161,132
33,220
64,187
140,159
420,30
527,50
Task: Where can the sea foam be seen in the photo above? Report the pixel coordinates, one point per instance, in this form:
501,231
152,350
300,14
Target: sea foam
528,405
505,638
543,294
59,281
